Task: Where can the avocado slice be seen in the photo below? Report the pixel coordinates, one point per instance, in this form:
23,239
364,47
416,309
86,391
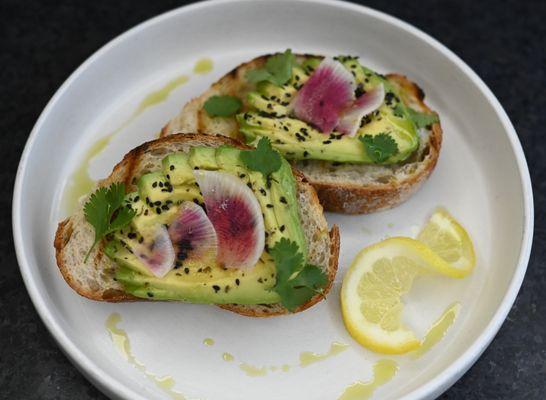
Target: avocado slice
282,94
266,105
198,284
176,169
285,205
297,140
203,158
158,192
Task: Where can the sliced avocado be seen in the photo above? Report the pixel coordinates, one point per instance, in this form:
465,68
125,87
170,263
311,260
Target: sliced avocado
285,205
176,169
310,64
266,105
118,252
299,77
158,193
198,284
297,140
203,158
282,94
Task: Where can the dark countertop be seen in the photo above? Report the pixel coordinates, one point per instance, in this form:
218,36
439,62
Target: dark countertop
41,43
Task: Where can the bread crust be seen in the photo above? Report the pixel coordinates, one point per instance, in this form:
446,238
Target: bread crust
123,172
342,197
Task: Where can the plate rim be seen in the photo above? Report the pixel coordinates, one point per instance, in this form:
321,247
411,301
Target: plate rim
435,386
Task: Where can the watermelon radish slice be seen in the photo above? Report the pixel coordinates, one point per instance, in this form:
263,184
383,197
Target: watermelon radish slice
193,235
236,216
364,105
327,92
156,251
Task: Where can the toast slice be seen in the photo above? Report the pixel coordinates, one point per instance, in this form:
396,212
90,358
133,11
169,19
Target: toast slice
345,188
95,279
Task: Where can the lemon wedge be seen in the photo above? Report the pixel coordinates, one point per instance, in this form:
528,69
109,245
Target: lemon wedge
449,240
380,274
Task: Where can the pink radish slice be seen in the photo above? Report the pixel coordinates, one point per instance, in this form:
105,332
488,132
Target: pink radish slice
236,216
193,235
156,251
364,105
327,92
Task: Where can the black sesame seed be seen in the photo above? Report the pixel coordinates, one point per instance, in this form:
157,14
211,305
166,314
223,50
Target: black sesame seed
237,282
216,288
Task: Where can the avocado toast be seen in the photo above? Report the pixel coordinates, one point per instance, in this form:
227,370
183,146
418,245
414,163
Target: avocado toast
393,151
177,245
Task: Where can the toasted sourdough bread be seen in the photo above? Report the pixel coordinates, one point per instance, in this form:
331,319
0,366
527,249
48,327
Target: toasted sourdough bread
346,188
95,279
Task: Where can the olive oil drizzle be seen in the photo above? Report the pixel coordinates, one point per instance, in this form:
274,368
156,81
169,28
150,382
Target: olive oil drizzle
203,66
438,330
121,342
383,371
306,358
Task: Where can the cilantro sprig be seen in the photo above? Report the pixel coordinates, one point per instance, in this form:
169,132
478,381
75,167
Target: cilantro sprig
262,159
105,212
278,69
379,147
222,106
421,119
296,282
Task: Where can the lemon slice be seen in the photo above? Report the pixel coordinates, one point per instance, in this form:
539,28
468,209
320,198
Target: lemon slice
380,274
449,240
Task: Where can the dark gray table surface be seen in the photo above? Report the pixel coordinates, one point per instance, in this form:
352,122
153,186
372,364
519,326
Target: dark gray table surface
41,43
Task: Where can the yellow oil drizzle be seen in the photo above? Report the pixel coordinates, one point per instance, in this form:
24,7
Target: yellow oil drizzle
159,96
121,342
383,371
208,342
307,358
80,182
203,66
438,330
253,371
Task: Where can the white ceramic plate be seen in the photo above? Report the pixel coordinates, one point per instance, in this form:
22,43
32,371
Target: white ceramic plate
482,178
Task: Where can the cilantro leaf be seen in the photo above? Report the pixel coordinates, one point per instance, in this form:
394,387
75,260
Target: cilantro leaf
262,159
296,282
379,147
421,119
222,106
105,212
278,69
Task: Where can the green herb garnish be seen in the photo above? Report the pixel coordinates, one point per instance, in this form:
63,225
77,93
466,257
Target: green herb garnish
278,69
296,282
106,212
262,159
222,106
379,147
421,119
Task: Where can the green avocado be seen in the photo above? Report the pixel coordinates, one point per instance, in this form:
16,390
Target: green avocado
194,283
269,116
157,202
176,168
